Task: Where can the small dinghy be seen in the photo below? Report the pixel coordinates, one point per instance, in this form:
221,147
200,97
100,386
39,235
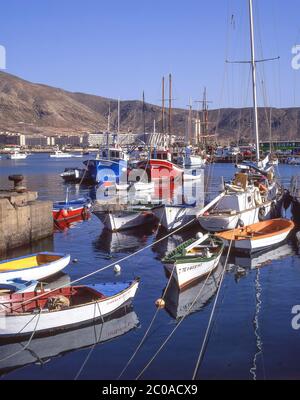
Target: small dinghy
64,210
194,258
33,267
61,309
259,236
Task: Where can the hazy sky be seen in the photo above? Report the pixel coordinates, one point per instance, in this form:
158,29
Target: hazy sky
120,48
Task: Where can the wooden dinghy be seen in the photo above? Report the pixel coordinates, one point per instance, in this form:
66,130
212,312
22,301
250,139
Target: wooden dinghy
259,236
194,258
33,267
61,309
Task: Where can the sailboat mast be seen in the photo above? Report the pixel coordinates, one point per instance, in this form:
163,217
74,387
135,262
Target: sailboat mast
253,65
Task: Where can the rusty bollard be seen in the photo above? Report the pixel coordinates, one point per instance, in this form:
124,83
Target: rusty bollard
18,186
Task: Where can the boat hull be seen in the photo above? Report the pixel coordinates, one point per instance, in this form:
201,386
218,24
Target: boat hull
186,273
118,221
223,222
49,321
36,273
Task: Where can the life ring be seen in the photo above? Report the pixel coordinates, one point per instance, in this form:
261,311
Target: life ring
261,213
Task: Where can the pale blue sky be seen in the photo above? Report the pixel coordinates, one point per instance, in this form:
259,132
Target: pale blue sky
120,48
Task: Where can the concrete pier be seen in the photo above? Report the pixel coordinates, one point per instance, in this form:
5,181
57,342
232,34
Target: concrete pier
23,218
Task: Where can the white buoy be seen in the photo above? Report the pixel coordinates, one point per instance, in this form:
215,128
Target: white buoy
117,268
199,235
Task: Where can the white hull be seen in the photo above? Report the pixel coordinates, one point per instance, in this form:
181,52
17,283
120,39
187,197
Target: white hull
17,156
117,221
173,217
194,161
36,273
12,325
223,222
191,271
258,244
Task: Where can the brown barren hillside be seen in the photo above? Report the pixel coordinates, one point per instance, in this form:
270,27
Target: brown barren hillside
35,108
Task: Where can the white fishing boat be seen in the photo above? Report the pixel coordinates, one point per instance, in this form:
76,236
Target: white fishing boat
194,258
126,218
61,309
253,196
259,236
17,155
44,348
33,267
61,154
171,217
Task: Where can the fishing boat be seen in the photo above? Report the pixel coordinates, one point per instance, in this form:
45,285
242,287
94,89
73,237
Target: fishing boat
194,258
259,236
109,166
43,349
69,209
62,308
125,218
172,217
61,154
33,267
17,155
253,195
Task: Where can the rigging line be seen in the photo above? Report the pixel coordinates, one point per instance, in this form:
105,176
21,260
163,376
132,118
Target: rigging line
203,347
29,341
173,330
148,329
111,264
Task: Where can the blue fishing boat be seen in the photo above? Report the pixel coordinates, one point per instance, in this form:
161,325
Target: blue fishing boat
109,166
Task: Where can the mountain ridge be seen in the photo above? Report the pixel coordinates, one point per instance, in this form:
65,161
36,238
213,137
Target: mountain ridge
36,108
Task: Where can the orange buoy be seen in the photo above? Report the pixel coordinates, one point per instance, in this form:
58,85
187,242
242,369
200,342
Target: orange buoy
160,303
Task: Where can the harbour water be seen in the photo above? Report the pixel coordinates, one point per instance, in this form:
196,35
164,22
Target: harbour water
252,334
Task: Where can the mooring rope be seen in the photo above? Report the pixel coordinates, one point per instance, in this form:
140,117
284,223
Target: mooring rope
203,347
174,329
30,339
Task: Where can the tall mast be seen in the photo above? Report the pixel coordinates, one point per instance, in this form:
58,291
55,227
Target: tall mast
253,65
163,106
144,122
170,105
118,116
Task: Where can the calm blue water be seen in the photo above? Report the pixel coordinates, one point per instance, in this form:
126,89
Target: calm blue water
233,342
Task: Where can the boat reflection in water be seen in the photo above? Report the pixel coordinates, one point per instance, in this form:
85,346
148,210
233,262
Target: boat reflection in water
42,349
239,264
64,225
193,298
124,241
